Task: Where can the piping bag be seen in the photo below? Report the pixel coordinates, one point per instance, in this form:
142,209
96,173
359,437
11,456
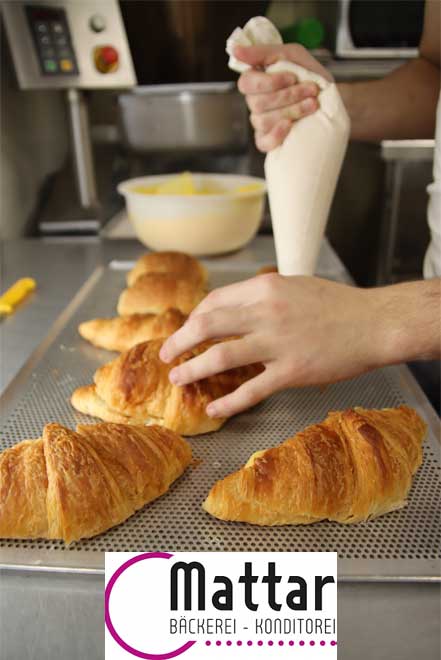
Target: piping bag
302,172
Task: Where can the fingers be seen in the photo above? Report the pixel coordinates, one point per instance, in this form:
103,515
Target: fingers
274,105
258,82
264,56
197,329
215,360
244,397
288,96
266,121
232,295
268,141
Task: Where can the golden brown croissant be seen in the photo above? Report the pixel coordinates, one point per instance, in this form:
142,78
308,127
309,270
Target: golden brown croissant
135,388
267,269
122,332
355,465
154,293
70,485
180,264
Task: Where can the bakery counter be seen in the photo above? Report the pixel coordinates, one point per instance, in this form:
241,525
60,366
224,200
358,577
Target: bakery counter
60,614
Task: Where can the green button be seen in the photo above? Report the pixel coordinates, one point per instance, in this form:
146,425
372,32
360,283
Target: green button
50,66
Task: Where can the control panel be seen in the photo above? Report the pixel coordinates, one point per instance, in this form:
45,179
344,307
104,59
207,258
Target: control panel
52,40
68,44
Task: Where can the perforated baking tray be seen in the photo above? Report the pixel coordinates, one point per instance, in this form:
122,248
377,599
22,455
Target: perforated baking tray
403,545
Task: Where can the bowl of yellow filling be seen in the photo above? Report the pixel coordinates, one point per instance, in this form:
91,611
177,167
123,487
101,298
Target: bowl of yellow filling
200,214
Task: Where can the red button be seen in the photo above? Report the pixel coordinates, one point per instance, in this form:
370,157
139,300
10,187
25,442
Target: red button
109,55
106,59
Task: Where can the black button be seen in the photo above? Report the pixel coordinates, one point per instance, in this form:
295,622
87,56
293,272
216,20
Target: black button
41,28
48,52
58,28
61,41
64,53
44,40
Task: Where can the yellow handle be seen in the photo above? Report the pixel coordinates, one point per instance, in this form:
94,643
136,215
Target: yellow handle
16,293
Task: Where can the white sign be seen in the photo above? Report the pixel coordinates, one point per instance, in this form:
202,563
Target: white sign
221,606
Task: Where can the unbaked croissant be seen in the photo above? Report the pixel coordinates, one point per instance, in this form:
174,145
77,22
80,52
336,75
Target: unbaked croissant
180,264
135,389
122,332
357,464
154,293
69,485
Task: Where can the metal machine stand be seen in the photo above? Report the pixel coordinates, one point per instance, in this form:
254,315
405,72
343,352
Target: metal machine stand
82,150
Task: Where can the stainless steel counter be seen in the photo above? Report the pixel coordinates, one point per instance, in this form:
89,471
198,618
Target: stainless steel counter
60,267
48,616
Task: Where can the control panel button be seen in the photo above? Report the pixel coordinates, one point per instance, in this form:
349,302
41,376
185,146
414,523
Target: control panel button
106,59
57,28
44,39
47,53
61,41
97,23
66,65
41,28
65,53
50,66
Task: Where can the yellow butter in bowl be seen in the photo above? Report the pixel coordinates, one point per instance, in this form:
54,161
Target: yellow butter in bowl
249,187
185,184
182,184
145,190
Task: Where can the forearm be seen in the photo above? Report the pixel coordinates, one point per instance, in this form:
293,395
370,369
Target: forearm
403,104
407,322
400,106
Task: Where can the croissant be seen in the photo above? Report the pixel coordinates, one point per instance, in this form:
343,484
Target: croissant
267,269
69,485
122,332
154,293
180,264
135,389
357,464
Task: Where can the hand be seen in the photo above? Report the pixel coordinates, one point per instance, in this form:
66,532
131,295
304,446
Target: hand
276,100
306,331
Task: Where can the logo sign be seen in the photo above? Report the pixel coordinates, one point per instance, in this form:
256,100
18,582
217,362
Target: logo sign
221,606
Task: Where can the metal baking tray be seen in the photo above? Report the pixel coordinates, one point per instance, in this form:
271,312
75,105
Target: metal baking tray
403,545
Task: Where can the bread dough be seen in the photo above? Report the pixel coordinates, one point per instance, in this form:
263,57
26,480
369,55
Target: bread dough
302,172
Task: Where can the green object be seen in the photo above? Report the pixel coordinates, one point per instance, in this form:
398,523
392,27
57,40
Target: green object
50,66
307,31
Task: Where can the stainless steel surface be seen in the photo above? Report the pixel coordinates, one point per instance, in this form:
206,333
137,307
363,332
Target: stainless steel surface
396,153
82,149
404,545
184,118
84,39
419,150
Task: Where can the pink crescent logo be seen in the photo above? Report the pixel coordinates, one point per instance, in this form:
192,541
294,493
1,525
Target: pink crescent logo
109,624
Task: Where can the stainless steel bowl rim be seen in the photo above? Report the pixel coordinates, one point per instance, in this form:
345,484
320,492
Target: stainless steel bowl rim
181,89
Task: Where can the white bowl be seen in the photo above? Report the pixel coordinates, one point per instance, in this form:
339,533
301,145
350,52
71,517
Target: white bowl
196,224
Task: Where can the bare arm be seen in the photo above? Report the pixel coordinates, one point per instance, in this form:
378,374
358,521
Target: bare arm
407,97
346,332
